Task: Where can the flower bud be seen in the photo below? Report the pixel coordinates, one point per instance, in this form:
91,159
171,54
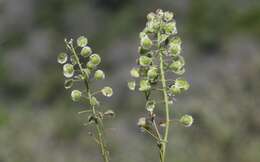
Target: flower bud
107,91
144,85
145,61
62,58
146,42
152,72
68,70
85,51
95,59
76,95
82,41
99,75
134,72
186,120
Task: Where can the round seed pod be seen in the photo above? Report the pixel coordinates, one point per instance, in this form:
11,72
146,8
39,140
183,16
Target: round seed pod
186,120
76,95
95,59
82,41
99,75
85,51
68,70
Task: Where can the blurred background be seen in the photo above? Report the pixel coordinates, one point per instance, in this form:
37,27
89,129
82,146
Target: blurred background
39,122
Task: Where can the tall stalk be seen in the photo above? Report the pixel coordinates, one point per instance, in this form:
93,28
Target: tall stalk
159,50
80,68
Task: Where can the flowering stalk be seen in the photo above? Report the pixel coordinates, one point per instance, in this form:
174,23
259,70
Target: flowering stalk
80,67
160,49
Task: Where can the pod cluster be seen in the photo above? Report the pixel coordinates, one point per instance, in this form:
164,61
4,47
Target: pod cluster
159,45
80,64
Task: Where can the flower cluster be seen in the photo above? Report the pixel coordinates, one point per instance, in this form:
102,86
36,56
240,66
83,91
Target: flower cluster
160,55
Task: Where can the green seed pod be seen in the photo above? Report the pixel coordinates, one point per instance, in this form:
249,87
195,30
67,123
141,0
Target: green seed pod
107,91
76,95
182,84
146,42
93,101
170,28
168,16
131,85
175,90
175,46
144,85
90,65
99,75
150,105
152,72
145,61
68,70
109,113
151,16
62,58
186,120
95,59
68,83
135,73
85,51
141,122
82,41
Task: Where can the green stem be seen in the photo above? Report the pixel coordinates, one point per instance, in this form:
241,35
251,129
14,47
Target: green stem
99,123
167,113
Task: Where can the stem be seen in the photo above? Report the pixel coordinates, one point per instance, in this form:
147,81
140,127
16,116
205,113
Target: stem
99,124
167,113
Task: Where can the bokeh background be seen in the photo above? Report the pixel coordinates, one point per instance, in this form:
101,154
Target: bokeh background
39,122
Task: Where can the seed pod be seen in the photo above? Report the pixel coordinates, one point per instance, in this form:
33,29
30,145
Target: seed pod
68,70
76,95
90,65
93,101
152,73
109,113
144,85
62,58
107,91
85,51
150,105
68,83
131,85
141,122
186,120
99,75
135,73
175,46
145,61
95,59
82,41
146,42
